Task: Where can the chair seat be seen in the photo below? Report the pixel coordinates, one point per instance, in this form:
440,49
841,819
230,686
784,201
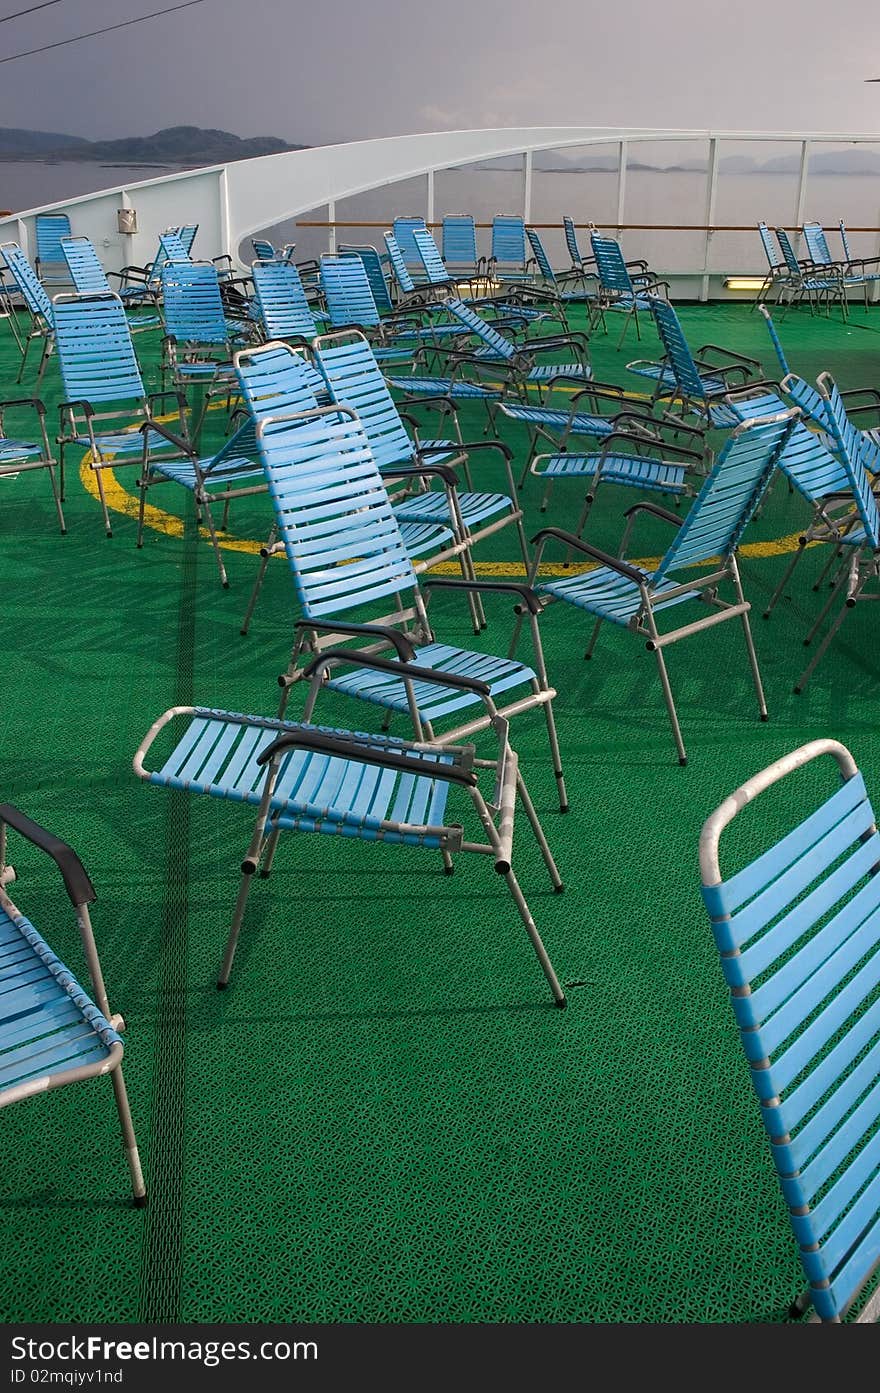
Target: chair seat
217,754
222,372
475,507
637,470
445,387
48,1023
17,451
392,355
233,470
542,372
658,372
582,423
438,451
124,442
434,702
610,596
423,538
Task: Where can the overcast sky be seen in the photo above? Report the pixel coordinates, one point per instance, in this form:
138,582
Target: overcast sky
319,72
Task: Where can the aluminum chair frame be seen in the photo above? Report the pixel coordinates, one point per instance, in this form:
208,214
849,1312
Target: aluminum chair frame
19,456
622,288
374,788
796,928
624,594
52,1032
49,229
822,287
90,278
332,505
36,301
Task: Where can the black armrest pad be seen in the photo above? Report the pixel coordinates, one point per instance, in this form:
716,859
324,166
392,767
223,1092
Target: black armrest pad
79,887
395,669
501,587
614,562
658,512
405,649
341,747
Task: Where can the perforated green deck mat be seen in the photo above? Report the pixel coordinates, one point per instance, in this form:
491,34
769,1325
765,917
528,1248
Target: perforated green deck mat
384,1119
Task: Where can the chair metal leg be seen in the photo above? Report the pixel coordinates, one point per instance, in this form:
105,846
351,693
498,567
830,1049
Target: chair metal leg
796,556
670,703
129,1140
266,553
593,637
100,482
820,651
555,878
525,914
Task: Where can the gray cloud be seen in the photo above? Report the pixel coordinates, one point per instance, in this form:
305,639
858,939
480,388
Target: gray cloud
318,73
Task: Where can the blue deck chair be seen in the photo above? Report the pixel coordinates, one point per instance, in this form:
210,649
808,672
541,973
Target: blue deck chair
509,258
403,229
304,778
406,289
857,264
275,380
563,287
622,288
797,930
459,246
354,379
435,270
697,384
375,268
861,540
199,339
350,303
106,402
347,558
820,255
821,289
579,262
49,262
33,452
36,301
283,309
52,1032
90,278
777,268
621,593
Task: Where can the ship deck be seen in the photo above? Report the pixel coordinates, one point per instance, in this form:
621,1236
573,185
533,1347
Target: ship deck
384,1119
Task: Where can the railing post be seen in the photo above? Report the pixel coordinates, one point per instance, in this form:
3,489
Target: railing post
621,186
223,192
527,186
802,189
331,230
711,191
429,209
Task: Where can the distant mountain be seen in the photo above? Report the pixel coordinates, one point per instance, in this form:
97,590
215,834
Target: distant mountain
21,143
187,145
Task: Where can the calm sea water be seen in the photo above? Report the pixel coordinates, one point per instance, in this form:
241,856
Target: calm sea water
30,184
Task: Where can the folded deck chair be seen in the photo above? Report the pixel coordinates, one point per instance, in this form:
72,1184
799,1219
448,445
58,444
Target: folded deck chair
49,262
304,778
696,384
33,452
821,258
579,262
703,548
90,278
777,269
797,928
623,288
861,541
106,403
348,559
53,1032
37,303
857,264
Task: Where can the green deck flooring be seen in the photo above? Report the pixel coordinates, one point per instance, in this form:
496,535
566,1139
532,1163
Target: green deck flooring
384,1119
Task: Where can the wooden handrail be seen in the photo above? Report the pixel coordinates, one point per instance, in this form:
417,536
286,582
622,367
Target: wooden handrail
625,226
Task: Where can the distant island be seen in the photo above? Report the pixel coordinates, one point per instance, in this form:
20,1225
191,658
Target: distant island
179,145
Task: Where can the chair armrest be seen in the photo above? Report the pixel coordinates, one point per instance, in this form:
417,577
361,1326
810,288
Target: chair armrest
395,669
614,562
729,353
405,650
526,594
417,471
679,451
423,762
79,887
35,402
183,445
656,510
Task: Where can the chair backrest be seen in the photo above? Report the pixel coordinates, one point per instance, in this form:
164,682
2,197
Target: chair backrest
571,242
32,290
429,257
679,358
788,252
460,240
611,265
341,538
771,248
274,378
730,494
850,446
844,242
372,263
263,250
172,246
281,300
187,235
193,306
347,292
775,340
466,315
50,228
403,229
798,931
539,252
95,349
86,271
398,264
509,240
817,246
353,377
